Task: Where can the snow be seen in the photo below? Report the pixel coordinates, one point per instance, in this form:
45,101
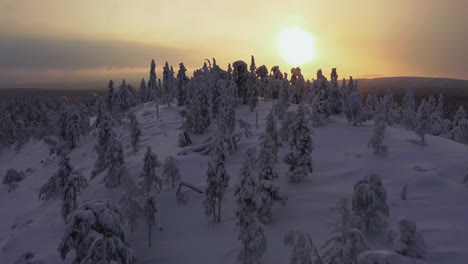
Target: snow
436,199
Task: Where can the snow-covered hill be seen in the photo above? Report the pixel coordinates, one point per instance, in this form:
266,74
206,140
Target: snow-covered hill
436,196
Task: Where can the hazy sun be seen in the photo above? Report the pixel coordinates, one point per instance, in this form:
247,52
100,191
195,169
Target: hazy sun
296,46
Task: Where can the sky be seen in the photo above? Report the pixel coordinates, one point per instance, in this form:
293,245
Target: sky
96,40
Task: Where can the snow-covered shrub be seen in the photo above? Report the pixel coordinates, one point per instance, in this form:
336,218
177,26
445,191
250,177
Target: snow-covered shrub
344,248
300,157
409,242
376,142
249,229
304,251
12,179
369,202
95,231
171,171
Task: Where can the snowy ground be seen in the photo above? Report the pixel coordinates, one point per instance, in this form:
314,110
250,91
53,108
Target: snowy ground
436,197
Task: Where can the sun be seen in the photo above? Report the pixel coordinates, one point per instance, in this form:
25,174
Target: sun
296,46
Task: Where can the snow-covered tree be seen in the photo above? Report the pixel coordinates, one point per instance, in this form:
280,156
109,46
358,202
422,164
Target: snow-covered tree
281,107
300,157
376,141
112,98
304,251
125,97
115,163
167,85
409,242
226,113
143,93
409,109
315,118
95,231
252,87
371,104
66,182
460,132
249,229
148,174
182,81
268,191
217,181
171,171
135,132
150,216
241,78
336,94
345,248
460,114
370,202
437,124
388,104
184,138
152,88
131,208
198,116
104,134
423,124
353,108
285,131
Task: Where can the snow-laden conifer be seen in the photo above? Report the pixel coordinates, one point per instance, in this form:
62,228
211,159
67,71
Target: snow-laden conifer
115,163
217,181
409,109
370,202
376,141
249,230
423,125
131,209
409,241
303,250
135,132
149,212
148,174
95,231
171,171
300,157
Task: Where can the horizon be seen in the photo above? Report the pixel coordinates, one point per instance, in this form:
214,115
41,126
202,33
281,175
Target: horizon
63,42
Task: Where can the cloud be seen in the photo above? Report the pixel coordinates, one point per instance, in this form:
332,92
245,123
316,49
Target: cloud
51,53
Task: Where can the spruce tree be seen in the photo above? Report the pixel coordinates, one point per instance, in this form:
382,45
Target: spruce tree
459,115
300,157
249,229
135,132
171,171
104,132
353,108
268,158
150,216
182,81
409,114
217,181
376,142
95,231
371,104
131,208
143,94
148,174
115,163
423,124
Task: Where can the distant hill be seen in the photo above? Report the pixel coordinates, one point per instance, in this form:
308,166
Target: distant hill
455,91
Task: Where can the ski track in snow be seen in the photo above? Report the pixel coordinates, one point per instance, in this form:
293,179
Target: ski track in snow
436,197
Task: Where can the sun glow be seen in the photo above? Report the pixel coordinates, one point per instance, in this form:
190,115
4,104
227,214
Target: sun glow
296,46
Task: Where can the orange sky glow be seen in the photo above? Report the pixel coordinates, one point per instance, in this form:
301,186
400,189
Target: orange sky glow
52,40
